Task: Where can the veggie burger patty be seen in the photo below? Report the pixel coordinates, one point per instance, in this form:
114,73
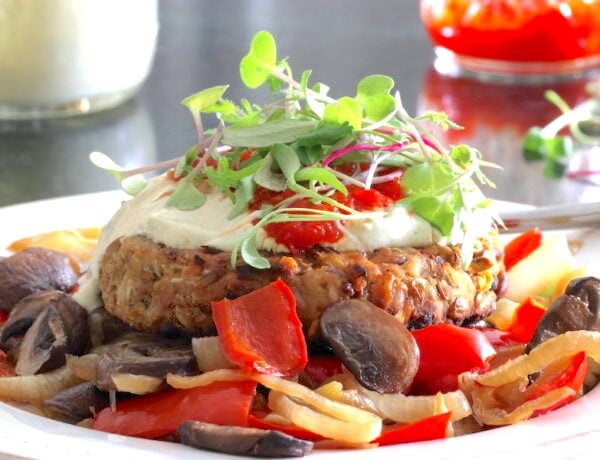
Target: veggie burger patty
155,287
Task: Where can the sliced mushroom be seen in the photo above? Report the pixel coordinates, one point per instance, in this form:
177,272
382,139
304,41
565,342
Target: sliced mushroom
144,354
105,328
22,317
33,270
61,328
578,309
242,440
377,348
78,402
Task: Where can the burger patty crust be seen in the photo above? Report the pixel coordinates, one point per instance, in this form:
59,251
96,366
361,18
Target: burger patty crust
154,287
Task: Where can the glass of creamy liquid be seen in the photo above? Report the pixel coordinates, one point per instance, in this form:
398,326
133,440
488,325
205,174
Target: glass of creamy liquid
69,57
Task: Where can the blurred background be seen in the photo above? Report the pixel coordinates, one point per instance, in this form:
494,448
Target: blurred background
200,43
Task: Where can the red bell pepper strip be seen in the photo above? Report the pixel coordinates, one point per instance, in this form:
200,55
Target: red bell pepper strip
447,351
256,420
261,331
525,320
521,246
427,429
320,368
499,338
159,414
570,375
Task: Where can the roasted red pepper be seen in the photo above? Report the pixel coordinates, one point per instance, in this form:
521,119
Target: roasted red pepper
261,331
521,246
499,338
427,429
525,320
572,374
159,414
447,351
320,368
256,420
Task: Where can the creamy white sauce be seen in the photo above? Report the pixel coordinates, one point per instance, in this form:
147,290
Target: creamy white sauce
147,214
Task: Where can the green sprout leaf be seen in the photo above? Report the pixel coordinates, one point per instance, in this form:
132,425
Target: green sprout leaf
268,133
186,196
325,134
439,118
250,254
256,67
226,178
131,185
533,144
322,175
434,194
558,147
243,195
436,210
345,110
554,169
285,157
373,92
266,177
205,100
432,178
463,155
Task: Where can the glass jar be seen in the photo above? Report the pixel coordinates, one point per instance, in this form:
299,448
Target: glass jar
66,57
520,39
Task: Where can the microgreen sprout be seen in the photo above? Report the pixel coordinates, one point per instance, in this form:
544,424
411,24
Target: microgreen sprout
299,142
556,142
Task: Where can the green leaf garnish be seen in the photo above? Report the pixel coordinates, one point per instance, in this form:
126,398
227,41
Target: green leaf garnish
286,159
306,146
186,197
439,118
345,110
226,178
321,175
533,144
373,92
250,254
325,134
436,210
243,195
206,99
257,65
554,149
131,184
267,134
268,178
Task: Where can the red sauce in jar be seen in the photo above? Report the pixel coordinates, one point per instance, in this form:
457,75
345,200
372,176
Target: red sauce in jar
297,236
516,31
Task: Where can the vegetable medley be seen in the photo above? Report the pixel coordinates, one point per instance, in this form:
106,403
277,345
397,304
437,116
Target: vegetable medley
531,356
257,386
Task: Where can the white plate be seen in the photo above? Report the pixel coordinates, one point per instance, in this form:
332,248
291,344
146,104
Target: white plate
570,432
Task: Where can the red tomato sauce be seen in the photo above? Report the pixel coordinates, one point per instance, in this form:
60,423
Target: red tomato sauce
297,236
535,31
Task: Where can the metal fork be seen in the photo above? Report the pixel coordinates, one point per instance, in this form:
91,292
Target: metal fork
568,216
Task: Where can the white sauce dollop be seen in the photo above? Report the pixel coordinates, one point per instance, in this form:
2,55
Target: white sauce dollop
147,214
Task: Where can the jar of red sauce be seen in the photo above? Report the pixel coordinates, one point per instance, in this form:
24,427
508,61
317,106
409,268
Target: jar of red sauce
527,39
